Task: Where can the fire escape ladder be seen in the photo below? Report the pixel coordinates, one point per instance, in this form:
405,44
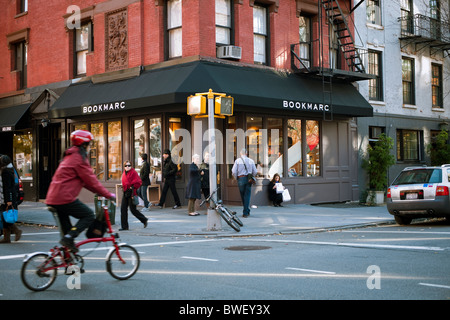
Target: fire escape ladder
345,39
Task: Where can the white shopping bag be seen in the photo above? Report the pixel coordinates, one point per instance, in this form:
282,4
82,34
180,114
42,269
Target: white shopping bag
286,195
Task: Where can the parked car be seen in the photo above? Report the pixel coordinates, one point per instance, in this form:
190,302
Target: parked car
419,192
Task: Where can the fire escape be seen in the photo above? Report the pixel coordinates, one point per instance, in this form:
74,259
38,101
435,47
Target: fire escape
333,54
425,32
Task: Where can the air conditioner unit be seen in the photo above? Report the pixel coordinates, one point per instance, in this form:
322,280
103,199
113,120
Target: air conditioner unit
229,52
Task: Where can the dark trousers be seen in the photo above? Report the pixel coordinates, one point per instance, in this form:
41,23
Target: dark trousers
128,202
169,184
78,210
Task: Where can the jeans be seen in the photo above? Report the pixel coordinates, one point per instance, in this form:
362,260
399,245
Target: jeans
142,193
245,189
78,210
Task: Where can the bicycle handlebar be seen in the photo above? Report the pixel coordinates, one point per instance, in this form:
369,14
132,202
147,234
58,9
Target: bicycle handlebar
209,197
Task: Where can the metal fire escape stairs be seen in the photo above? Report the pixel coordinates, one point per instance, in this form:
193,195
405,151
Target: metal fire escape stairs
332,12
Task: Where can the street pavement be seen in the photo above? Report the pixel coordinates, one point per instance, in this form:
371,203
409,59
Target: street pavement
263,220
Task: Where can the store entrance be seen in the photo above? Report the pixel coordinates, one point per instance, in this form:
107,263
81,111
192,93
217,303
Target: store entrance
49,155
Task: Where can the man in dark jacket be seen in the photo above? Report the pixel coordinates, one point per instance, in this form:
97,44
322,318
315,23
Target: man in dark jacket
144,175
169,172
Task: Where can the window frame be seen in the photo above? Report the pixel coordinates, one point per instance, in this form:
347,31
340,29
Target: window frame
373,8
439,95
170,29
90,47
257,35
400,140
378,81
229,28
411,94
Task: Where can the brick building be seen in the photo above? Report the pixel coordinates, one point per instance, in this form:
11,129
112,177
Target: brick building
123,69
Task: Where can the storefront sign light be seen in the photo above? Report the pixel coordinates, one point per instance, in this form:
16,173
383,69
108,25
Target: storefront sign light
103,107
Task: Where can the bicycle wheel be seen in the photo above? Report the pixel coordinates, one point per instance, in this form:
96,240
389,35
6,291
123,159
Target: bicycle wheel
228,218
125,268
38,272
234,216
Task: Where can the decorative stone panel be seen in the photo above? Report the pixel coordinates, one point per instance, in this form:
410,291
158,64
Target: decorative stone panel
116,41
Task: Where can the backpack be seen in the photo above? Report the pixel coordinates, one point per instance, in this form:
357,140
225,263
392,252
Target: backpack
18,186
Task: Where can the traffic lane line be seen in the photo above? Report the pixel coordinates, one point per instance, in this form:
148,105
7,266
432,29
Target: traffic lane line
434,285
310,270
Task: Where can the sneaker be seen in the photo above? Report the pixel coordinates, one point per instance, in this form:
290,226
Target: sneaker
69,244
176,206
145,209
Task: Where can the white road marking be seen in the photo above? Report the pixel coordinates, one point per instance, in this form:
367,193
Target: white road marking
398,232
197,258
434,285
310,270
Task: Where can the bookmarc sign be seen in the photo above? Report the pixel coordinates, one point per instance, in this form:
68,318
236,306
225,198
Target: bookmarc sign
96,108
308,106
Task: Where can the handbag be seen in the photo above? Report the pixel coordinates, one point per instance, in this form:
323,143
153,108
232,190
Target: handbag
11,215
250,177
135,200
286,195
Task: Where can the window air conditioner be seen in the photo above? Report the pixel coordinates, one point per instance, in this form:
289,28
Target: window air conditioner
229,52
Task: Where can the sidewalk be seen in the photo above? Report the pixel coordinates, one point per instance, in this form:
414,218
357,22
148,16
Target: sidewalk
292,218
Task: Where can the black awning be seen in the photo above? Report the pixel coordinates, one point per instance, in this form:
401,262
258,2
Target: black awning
249,86
11,116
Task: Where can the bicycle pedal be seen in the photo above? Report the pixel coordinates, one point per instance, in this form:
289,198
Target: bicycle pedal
82,270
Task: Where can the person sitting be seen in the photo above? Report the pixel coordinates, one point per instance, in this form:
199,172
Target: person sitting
276,198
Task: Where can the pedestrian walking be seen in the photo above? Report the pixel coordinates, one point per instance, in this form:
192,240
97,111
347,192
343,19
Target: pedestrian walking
130,183
144,174
274,191
243,166
169,172
8,198
193,189
204,172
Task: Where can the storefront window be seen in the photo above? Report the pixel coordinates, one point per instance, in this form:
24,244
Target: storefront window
176,123
294,147
154,158
97,156
139,143
114,150
255,143
230,145
275,142
22,154
313,142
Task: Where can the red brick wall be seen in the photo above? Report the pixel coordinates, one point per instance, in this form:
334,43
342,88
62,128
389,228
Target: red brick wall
50,42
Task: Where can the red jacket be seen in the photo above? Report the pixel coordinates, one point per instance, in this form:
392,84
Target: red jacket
131,179
73,173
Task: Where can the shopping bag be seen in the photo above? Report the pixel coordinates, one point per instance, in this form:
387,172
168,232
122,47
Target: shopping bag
279,187
10,215
286,195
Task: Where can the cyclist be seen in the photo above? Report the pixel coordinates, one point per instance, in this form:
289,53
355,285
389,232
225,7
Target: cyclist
73,173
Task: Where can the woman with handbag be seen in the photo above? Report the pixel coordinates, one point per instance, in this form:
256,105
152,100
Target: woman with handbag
276,191
8,198
130,184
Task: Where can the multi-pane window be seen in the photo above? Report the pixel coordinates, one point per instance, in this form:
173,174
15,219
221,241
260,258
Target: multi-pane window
436,85
373,10
260,34
407,16
105,158
83,44
374,68
174,14
304,32
147,139
408,81
223,21
20,63
409,144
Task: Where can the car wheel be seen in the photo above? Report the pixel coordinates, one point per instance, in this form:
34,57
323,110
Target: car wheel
402,220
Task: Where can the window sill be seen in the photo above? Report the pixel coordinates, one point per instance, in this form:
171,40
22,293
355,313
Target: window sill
437,109
410,106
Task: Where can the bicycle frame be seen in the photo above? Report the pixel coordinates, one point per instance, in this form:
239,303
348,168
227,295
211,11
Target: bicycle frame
67,256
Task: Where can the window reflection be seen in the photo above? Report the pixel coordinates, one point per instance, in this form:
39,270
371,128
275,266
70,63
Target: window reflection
114,150
294,147
97,157
22,155
313,142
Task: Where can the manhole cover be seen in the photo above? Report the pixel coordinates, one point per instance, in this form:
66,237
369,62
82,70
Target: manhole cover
247,248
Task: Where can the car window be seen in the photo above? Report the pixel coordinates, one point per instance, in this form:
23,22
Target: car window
448,174
419,176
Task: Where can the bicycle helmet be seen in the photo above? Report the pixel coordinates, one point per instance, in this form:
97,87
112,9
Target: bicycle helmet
79,137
